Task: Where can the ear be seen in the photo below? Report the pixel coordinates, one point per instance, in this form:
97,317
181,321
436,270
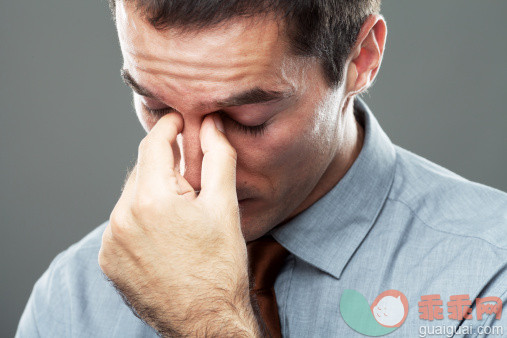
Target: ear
366,55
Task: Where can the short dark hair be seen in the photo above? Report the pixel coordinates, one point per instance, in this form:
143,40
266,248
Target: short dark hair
326,29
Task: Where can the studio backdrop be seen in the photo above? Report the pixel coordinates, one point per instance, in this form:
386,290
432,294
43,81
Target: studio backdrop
68,131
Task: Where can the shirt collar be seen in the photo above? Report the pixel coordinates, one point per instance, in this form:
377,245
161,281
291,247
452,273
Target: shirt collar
328,233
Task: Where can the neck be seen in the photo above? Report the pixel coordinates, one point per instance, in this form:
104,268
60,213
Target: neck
347,152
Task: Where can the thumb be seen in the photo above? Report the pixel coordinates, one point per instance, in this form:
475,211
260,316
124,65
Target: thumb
218,172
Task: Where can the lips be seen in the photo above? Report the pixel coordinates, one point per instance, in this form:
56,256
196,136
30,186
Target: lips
244,201
244,192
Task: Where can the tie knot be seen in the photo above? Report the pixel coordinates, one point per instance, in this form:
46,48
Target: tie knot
265,257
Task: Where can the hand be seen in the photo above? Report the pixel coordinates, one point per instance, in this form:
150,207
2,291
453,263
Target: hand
177,258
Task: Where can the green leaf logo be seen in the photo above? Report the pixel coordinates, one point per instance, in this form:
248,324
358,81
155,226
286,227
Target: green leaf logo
387,312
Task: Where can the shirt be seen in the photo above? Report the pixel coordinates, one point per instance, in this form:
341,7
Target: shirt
395,221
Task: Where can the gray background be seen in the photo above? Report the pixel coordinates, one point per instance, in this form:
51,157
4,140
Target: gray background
68,131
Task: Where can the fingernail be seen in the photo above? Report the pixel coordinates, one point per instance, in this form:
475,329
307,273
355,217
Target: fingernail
218,123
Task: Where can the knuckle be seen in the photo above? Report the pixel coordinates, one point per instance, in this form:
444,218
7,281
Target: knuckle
143,145
118,227
143,204
116,217
147,205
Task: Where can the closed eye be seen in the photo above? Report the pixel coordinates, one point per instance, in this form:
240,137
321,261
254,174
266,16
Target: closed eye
252,130
159,112
256,130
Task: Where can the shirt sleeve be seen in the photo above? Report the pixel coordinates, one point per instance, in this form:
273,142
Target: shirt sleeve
28,323
46,312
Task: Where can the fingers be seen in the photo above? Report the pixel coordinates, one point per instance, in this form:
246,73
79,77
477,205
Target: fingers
218,173
159,153
156,158
185,188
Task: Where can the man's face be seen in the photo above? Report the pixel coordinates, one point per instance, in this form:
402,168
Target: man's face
278,112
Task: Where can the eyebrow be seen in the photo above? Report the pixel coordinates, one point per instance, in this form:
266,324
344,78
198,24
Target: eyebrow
252,96
129,81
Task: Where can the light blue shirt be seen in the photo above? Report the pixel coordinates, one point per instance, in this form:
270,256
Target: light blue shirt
394,221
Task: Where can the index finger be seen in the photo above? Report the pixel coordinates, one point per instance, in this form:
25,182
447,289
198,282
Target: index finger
155,162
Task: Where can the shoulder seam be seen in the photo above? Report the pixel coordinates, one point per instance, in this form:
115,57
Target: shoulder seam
440,230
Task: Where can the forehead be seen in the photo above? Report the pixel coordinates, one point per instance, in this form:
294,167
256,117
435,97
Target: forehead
241,52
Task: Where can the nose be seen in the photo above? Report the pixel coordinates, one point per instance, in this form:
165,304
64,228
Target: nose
191,153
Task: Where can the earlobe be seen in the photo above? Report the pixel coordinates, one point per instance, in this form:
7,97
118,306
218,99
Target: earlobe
366,56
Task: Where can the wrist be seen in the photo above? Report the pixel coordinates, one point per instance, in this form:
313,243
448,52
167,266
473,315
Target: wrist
218,313
223,319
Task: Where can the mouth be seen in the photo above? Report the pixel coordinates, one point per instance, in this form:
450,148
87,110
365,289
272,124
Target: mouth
245,202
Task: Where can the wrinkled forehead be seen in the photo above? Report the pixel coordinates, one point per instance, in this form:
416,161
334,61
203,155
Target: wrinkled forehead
253,45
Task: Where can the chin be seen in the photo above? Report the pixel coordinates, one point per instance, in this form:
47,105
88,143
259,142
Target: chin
256,219
253,219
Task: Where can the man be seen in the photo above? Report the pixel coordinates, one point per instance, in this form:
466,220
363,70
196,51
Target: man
254,129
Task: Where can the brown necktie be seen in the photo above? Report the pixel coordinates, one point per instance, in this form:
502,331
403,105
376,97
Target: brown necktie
266,257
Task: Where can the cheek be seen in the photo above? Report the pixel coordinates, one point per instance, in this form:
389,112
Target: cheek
287,148
297,138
